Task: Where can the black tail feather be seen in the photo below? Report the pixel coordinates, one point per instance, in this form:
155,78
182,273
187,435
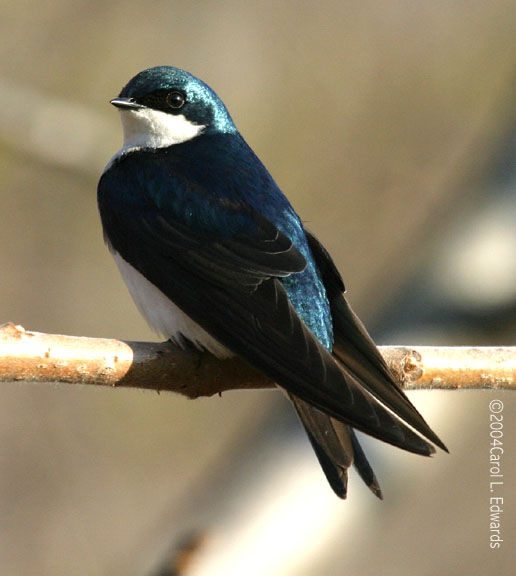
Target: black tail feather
363,467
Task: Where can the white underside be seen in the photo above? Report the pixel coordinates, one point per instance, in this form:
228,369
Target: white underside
162,315
147,128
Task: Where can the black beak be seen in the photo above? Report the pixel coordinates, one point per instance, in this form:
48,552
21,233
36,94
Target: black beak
126,103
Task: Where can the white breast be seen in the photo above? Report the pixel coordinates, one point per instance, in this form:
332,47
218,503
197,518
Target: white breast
162,315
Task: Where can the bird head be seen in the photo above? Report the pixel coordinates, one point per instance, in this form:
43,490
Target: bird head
163,106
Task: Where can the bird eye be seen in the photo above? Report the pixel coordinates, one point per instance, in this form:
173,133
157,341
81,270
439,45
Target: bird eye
176,100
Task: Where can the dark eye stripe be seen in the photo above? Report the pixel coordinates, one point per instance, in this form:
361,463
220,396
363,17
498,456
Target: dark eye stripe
165,100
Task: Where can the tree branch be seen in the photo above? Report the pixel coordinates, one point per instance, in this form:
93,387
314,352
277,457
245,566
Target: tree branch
37,357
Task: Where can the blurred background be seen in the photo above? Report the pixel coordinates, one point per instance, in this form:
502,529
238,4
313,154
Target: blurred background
391,126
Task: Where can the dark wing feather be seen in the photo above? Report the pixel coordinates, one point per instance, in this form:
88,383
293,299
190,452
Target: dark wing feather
229,284
335,443
356,351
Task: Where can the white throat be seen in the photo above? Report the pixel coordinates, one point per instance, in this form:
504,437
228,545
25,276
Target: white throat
147,128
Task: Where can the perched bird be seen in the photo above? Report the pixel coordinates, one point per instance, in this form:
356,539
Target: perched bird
213,254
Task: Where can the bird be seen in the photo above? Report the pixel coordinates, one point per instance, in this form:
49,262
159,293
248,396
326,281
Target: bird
216,258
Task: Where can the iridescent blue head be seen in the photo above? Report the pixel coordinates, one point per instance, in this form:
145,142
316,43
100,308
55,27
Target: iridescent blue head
164,105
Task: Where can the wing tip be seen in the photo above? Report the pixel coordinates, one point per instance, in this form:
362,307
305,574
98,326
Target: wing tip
375,489
434,439
441,445
339,481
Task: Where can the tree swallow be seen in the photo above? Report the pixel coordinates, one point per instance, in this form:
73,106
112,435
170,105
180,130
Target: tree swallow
214,255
